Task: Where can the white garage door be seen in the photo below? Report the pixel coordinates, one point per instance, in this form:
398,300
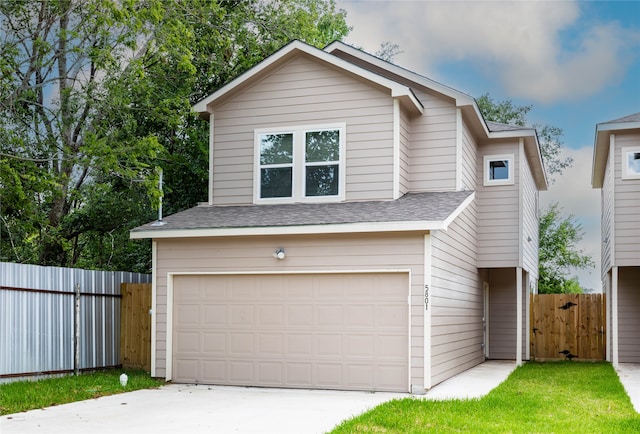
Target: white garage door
325,331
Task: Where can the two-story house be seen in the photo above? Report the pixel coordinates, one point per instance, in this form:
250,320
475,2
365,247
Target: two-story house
366,229
616,171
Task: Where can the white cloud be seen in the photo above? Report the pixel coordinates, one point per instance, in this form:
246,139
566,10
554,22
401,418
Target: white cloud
573,192
519,43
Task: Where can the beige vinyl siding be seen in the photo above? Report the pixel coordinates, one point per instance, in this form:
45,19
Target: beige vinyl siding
502,313
303,253
433,145
627,208
404,153
469,159
530,235
305,92
499,230
606,227
628,318
456,299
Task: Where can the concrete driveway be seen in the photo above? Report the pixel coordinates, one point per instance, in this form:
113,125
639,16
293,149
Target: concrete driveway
179,408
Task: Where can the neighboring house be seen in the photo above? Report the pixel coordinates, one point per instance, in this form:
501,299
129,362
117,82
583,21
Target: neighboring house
616,171
366,229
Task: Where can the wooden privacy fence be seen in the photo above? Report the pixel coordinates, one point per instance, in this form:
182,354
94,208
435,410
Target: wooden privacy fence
135,326
568,326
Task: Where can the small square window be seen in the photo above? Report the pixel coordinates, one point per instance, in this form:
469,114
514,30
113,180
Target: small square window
631,163
498,169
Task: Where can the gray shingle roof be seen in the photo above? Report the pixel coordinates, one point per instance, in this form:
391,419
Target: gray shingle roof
412,207
497,126
630,118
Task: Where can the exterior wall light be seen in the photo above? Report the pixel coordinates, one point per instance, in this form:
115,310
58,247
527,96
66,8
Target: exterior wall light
279,253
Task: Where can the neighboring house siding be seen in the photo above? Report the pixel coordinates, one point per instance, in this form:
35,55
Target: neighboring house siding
456,299
530,221
304,253
628,318
607,199
305,92
627,208
433,145
499,230
404,153
469,159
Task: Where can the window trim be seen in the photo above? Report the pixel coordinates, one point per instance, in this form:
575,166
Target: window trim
298,182
626,173
488,159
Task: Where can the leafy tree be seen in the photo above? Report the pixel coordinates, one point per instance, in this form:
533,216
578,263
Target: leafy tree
549,137
559,235
558,252
95,94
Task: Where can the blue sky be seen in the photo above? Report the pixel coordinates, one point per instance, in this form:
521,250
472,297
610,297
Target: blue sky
576,63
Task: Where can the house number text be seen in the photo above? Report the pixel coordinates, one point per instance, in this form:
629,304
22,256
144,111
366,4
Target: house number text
426,297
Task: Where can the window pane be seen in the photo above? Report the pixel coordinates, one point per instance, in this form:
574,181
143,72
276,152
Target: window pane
322,181
276,148
275,182
322,146
499,169
633,162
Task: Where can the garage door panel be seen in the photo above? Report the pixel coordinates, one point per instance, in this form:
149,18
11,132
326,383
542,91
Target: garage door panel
330,316
359,376
299,345
391,316
269,316
216,314
214,343
241,372
360,316
188,342
389,375
328,345
312,331
270,373
329,375
241,343
186,368
241,315
188,314
299,315
270,344
214,371
299,374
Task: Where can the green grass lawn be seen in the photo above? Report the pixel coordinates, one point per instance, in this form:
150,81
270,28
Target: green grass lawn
562,397
28,395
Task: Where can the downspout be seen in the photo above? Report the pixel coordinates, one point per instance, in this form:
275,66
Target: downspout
211,143
519,306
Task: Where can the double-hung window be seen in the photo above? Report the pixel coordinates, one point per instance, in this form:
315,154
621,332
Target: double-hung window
300,164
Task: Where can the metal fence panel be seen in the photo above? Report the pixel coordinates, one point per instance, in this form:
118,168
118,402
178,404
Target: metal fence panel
37,318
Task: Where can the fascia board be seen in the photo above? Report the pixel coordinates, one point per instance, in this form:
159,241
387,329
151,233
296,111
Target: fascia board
406,226
396,89
454,215
461,98
600,146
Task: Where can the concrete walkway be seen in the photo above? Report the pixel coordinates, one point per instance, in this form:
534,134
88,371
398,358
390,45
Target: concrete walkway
473,383
194,409
629,374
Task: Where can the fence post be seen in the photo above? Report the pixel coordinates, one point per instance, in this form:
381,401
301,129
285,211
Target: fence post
76,333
